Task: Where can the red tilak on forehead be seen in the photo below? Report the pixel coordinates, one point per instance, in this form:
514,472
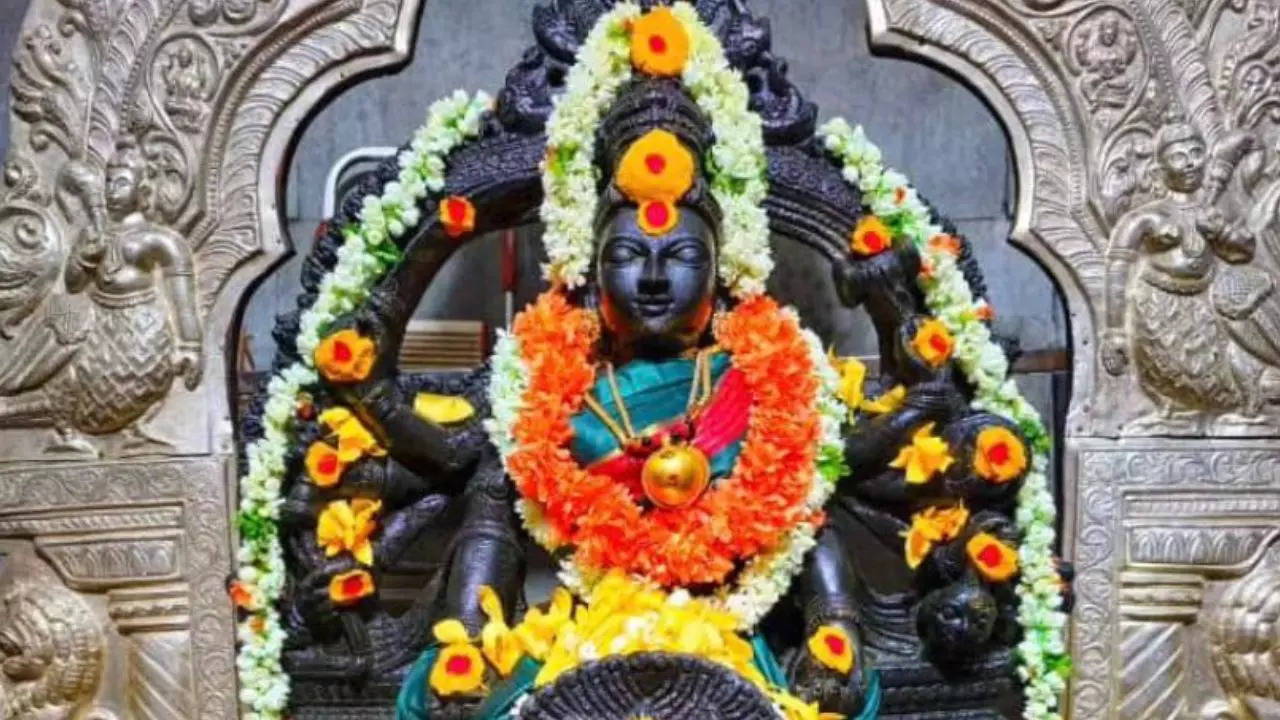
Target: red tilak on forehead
657,214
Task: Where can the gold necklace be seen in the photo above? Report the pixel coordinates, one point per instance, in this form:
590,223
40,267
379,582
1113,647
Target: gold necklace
676,474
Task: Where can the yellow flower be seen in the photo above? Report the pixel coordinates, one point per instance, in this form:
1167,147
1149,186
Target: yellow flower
442,409
793,708
459,670
852,373
349,588
998,455
537,631
657,217
933,342
457,215
930,526
993,559
871,236
354,439
657,166
887,402
345,357
832,647
324,464
659,43
499,643
927,455
344,525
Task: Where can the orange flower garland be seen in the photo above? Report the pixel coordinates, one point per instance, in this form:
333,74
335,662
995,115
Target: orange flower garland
745,514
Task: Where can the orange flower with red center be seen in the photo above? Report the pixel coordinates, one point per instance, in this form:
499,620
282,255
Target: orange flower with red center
659,43
657,217
345,356
993,559
933,342
871,236
324,467
657,166
349,588
746,513
457,215
832,647
998,455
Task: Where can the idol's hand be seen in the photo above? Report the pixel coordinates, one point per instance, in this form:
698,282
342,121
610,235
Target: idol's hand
828,670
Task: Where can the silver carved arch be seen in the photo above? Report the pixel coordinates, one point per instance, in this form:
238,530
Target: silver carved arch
1172,523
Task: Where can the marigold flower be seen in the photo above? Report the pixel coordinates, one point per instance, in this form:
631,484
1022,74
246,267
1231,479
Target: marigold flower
324,464
354,439
344,525
933,342
927,455
832,647
945,242
499,643
871,236
993,559
442,409
459,670
998,455
345,356
349,588
657,166
887,401
659,43
457,215
241,595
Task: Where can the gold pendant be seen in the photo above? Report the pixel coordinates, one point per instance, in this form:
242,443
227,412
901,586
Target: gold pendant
675,476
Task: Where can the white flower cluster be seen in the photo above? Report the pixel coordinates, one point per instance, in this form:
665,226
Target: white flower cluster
766,578
365,255
888,194
736,163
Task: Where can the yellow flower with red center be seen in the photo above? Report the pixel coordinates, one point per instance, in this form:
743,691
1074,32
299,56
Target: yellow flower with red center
657,166
459,668
933,342
500,644
349,588
832,647
324,465
887,401
457,215
998,455
993,559
354,439
659,43
929,526
871,236
345,356
657,217
348,525
945,242
926,456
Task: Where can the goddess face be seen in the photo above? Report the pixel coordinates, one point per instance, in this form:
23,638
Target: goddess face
121,189
1183,162
656,291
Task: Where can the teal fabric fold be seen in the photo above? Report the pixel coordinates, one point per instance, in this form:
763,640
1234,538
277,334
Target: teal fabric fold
503,698
411,703
767,663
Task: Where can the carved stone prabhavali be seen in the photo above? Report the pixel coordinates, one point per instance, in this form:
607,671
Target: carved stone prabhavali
145,139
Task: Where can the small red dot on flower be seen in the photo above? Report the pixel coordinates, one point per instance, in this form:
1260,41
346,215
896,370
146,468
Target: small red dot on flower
657,44
990,555
655,162
657,215
939,343
899,195
873,241
998,453
835,644
458,665
457,210
328,464
353,586
341,351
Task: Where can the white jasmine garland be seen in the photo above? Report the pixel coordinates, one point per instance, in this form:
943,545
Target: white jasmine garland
887,193
367,252
736,162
